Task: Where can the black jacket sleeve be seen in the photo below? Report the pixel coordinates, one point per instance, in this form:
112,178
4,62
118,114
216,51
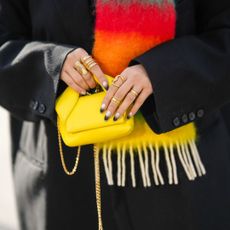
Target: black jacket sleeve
29,70
190,74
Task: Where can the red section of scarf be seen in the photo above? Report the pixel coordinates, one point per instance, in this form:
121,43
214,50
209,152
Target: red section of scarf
124,31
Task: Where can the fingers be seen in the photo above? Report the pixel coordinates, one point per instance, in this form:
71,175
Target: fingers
70,82
138,103
118,88
89,80
78,79
129,99
75,79
129,94
119,94
96,70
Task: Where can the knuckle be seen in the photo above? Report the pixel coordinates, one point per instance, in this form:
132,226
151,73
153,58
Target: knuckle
80,81
148,92
112,106
119,95
92,84
139,102
71,84
80,51
130,97
100,77
67,67
69,56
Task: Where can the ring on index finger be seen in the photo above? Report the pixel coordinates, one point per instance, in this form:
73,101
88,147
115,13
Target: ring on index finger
134,92
116,101
115,81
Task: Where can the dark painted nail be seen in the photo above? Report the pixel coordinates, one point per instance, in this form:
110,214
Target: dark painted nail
129,115
102,109
107,115
105,84
116,117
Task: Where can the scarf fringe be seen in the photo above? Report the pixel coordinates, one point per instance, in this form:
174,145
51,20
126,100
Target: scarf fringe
149,158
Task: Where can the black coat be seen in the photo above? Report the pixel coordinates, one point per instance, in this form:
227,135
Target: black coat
191,79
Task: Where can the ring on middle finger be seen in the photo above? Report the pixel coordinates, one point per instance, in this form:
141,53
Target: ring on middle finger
80,68
134,92
115,100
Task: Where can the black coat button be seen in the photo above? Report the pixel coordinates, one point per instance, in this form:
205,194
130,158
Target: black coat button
34,104
176,122
185,118
41,108
192,116
200,113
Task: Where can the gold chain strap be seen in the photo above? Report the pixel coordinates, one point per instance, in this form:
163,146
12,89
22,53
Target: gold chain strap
98,186
73,171
97,174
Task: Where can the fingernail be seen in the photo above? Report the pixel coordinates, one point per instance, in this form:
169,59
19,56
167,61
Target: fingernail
83,93
107,115
105,84
102,108
130,115
116,117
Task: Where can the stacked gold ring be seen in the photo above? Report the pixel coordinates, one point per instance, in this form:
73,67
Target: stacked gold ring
115,100
88,62
134,92
80,68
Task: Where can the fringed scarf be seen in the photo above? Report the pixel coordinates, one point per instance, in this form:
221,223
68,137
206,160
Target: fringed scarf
125,29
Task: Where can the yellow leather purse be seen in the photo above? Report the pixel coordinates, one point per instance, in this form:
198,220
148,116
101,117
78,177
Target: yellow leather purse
80,121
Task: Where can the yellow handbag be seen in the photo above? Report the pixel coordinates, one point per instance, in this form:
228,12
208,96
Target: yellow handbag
80,121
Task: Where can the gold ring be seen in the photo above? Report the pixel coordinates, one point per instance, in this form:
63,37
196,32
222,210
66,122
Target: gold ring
115,85
92,65
80,68
134,92
114,99
123,79
116,79
88,62
83,59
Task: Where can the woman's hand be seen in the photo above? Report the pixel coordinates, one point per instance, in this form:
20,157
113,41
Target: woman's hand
134,78
79,82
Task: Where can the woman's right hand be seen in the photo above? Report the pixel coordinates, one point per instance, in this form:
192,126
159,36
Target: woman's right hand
75,80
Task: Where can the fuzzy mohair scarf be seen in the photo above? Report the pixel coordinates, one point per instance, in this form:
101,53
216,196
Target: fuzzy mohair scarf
125,29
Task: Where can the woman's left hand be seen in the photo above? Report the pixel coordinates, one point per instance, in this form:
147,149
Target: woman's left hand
133,78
